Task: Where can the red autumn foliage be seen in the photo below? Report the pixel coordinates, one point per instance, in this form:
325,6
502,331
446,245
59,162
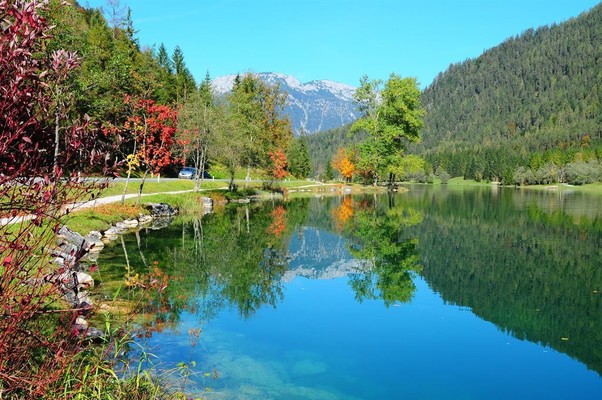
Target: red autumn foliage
278,225
153,127
278,164
38,176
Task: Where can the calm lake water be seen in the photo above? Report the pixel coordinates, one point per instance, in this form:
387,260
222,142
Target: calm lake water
441,292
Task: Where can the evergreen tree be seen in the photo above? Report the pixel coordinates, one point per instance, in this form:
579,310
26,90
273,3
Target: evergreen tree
185,83
298,157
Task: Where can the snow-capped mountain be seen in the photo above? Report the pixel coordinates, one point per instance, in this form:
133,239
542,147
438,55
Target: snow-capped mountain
313,106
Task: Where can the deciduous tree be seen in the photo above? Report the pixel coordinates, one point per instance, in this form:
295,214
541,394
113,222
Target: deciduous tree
256,109
392,118
343,163
277,164
153,127
199,123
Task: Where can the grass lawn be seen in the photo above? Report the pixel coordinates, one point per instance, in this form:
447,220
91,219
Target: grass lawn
101,217
152,186
589,188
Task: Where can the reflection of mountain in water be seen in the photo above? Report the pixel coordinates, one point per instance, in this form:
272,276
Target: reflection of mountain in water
318,254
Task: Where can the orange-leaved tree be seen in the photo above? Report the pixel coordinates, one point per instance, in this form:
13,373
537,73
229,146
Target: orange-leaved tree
343,162
277,164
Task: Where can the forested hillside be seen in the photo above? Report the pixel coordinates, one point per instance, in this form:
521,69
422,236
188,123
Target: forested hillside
533,102
323,145
113,65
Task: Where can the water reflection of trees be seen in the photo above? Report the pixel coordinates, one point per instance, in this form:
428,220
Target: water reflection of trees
533,271
378,235
236,258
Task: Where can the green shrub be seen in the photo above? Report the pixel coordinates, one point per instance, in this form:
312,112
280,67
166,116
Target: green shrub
580,173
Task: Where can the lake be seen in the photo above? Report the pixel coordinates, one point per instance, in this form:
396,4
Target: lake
440,292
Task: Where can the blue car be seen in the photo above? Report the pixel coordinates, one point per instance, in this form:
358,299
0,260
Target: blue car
192,173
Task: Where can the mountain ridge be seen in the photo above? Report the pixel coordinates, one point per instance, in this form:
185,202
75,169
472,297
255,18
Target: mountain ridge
312,106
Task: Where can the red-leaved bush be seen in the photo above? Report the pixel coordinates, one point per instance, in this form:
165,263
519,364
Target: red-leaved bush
277,164
42,156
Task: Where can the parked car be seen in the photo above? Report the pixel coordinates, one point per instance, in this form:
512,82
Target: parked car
192,173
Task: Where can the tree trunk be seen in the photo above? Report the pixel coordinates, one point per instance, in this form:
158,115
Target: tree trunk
125,253
125,188
138,243
391,180
248,177
201,168
141,187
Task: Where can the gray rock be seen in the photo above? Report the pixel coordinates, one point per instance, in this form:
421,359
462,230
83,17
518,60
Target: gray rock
121,226
66,235
144,219
207,202
94,235
93,238
112,231
131,223
94,334
161,210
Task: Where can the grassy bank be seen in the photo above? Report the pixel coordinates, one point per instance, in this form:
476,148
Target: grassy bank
101,217
563,187
595,188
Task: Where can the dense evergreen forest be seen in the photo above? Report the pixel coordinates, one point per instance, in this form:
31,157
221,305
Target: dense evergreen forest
113,65
525,112
531,102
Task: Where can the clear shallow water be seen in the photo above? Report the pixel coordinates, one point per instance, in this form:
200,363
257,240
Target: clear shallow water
433,294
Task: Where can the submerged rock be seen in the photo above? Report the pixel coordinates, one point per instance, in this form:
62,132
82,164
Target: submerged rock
207,202
160,222
308,368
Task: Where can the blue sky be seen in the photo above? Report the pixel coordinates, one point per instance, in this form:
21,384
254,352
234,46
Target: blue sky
338,40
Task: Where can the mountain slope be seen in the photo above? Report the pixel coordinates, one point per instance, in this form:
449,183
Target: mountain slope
534,92
313,106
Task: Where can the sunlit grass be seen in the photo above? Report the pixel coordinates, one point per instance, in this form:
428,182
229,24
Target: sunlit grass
100,218
153,186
